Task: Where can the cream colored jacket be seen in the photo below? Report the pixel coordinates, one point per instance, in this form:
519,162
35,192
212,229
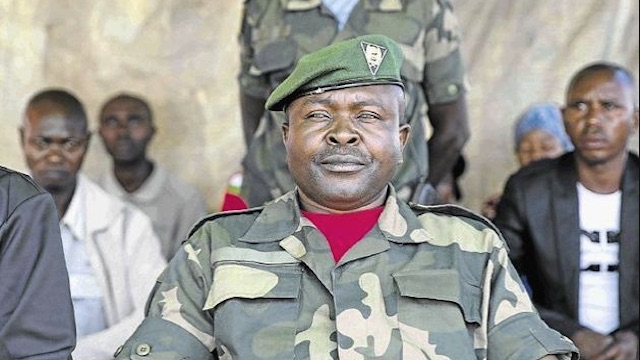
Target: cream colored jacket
126,258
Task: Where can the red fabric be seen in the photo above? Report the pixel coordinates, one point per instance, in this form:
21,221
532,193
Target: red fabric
344,230
233,202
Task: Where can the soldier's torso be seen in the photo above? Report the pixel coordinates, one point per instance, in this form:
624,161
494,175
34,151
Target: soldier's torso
262,284
384,300
389,306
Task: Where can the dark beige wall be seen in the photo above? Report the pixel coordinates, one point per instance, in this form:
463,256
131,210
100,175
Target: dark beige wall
182,54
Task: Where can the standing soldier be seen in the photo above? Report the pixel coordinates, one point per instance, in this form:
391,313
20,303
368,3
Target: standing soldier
275,34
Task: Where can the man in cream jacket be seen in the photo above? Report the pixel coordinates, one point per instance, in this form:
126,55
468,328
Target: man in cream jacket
112,254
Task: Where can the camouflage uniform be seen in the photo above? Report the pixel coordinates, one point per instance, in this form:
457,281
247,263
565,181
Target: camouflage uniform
424,283
275,34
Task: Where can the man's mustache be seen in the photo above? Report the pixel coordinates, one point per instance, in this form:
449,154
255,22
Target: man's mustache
349,151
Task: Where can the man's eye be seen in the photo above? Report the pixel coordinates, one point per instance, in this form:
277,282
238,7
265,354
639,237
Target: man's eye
134,121
71,145
579,106
610,105
318,116
368,117
110,122
41,143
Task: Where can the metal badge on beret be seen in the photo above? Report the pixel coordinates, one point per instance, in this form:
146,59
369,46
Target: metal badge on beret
374,54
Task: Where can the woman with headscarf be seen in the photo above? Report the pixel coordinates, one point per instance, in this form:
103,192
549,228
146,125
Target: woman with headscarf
539,134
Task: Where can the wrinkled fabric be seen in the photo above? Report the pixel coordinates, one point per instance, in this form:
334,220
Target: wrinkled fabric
172,204
124,253
424,283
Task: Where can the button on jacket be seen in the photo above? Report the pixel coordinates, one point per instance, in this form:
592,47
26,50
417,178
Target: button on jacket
424,283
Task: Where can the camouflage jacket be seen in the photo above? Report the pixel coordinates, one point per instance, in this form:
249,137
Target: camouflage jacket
424,283
275,34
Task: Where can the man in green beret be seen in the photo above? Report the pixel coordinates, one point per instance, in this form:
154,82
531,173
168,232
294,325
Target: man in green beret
339,267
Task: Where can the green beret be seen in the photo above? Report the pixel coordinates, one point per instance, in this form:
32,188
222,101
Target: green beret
365,60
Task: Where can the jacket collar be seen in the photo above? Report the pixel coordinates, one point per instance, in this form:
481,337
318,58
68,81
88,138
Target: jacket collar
281,218
151,189
91,209
75,217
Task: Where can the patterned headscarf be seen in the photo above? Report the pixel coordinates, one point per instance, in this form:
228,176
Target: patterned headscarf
546,117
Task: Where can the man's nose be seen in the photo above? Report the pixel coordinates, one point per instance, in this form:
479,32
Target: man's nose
122,129
54,153
343,132
594,114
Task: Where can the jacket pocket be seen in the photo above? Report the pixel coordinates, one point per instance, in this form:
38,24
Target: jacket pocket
255,307
437,299
437,313
275,56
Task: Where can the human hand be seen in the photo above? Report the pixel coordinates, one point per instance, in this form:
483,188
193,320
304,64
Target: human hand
591,343
625,347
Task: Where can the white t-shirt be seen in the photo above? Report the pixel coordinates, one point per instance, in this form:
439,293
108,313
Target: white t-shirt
599,307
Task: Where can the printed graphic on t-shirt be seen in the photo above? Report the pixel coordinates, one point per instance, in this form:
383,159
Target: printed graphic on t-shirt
599,250
599,259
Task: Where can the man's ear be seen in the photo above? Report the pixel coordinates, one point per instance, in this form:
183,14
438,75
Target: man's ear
404,132
89,134
563,111
21,134
285,127
285,132
636,115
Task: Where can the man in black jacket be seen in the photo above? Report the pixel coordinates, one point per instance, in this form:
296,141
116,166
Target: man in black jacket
571,223
36,315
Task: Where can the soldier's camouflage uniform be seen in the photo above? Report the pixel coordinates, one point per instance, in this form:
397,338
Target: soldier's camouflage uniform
276,33
424,283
